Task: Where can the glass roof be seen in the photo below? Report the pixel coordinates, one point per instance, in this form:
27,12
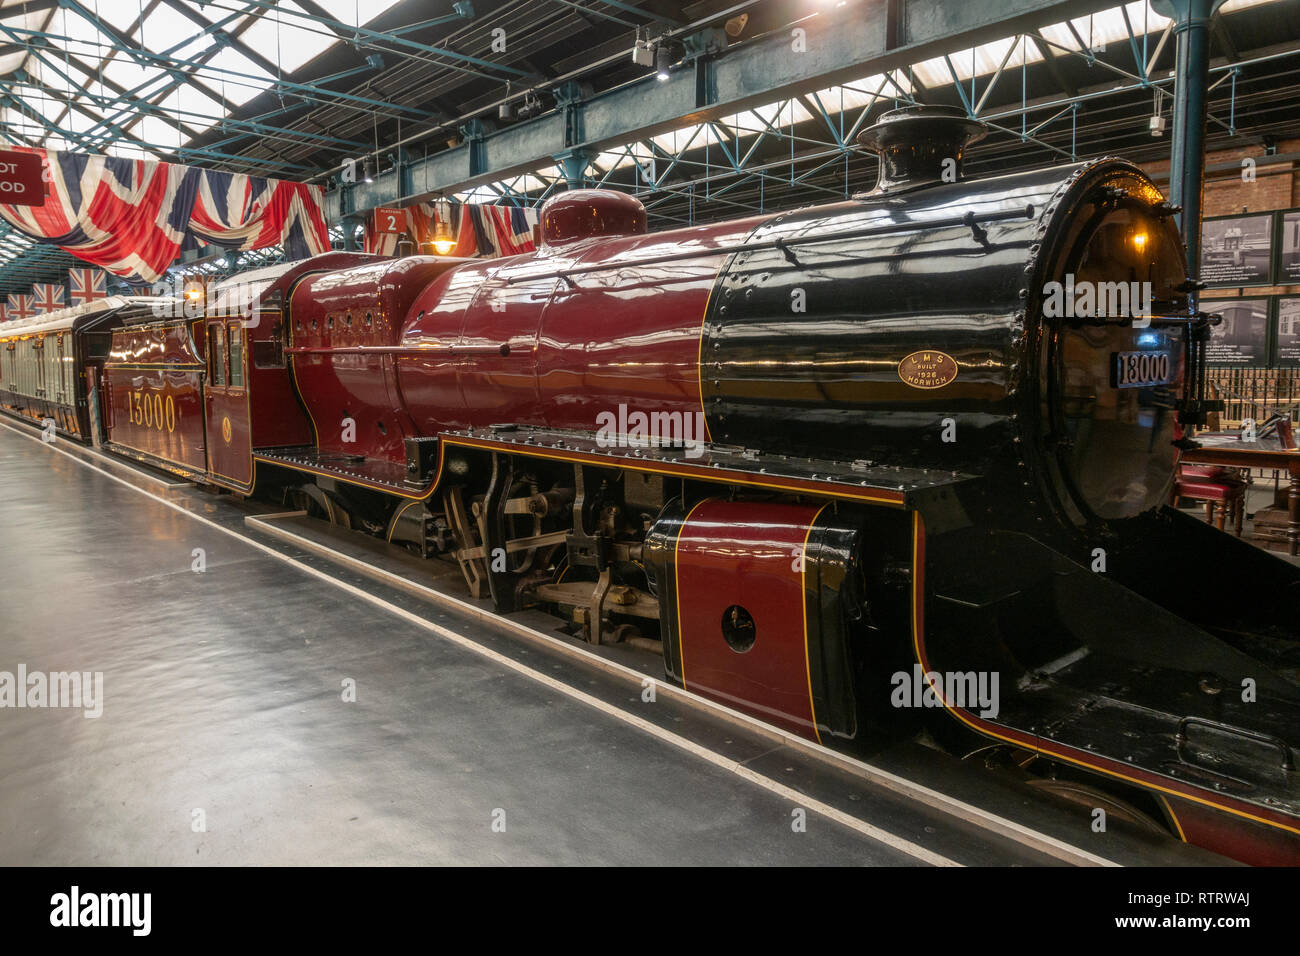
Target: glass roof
141,79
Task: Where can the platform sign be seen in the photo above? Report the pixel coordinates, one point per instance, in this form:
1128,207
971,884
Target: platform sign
21,182
1241,339
1237,250
390,221
1287,349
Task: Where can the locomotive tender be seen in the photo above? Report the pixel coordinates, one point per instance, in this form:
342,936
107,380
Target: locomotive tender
911,475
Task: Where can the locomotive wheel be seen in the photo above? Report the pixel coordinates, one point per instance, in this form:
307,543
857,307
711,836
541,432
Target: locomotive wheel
317,504
1092,798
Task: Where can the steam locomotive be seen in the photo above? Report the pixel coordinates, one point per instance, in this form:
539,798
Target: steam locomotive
845,468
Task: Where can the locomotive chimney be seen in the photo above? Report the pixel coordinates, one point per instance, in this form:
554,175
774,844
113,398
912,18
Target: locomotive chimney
920,145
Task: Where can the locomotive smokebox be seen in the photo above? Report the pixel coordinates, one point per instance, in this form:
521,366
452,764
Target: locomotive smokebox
920,145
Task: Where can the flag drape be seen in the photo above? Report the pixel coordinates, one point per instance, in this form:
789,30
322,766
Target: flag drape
132,217
487,231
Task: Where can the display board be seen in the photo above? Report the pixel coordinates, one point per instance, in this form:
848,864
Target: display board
1237,251
1242,338
1286,351
1287,270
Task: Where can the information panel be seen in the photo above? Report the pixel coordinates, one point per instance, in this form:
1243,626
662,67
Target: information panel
1242,337
1288,331
1237,250
1288,247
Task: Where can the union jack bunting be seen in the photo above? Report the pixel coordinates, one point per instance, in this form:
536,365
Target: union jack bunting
483,230
495,231
48,297
133,217
21,307
87,285
4,312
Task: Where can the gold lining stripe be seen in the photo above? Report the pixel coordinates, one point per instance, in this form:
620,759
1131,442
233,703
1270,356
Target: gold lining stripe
677,586
699,348
803,587
1172,816
392,524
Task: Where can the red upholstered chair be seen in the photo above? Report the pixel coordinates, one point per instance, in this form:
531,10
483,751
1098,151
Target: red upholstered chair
1221,490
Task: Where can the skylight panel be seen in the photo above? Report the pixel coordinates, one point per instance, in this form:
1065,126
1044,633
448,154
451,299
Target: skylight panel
120,14
195,109
157,131
288,37
346,11
131,76
165,27
84,38
234,75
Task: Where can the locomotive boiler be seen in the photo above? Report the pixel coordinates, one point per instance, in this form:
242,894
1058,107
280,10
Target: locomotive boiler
922,437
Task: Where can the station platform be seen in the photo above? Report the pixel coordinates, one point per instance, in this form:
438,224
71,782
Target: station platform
225,737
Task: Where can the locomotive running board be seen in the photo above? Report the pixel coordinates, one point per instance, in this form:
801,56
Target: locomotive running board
381,475
910,488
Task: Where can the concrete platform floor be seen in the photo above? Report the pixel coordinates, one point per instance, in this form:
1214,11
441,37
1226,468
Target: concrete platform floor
224,737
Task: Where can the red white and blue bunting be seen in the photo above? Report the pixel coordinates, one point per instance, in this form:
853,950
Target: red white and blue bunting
484,231
86,285
133,217
48,297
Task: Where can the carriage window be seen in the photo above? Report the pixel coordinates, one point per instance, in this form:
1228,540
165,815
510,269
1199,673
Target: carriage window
217,354
236,355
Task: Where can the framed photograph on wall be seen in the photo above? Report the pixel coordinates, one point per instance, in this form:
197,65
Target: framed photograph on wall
1287,270
1237,250
1241,339
1286,350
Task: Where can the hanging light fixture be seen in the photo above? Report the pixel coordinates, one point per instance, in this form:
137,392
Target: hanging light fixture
443,240
663,60
365,169
643,53
506,111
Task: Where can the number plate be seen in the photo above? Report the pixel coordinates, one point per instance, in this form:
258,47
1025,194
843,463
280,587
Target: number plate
1142,369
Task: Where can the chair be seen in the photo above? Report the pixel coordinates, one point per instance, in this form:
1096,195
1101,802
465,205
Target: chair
1219,488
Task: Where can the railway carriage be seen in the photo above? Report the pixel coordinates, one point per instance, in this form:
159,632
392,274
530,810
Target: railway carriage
51,364
194,384
848,469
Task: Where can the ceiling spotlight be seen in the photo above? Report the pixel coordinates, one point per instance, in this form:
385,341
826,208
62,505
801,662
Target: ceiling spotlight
506,111
663,61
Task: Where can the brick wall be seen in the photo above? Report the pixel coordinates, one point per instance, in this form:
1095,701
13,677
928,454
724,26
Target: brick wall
1275,187
1249,392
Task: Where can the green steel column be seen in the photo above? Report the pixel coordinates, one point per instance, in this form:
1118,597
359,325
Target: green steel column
1187,158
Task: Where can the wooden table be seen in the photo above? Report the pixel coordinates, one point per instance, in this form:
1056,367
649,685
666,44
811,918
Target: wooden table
1222,450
